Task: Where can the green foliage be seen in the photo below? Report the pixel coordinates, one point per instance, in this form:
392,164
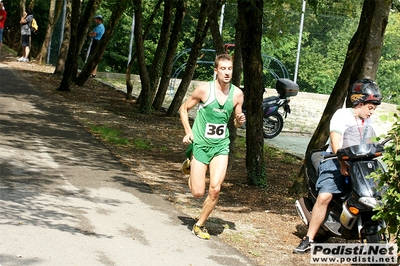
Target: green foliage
115,58
117,51
324,51
388,76
389,180
348,8
396,5
328,29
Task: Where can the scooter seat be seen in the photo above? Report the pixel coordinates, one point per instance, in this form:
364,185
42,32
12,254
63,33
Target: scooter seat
313,160
316,159
270,101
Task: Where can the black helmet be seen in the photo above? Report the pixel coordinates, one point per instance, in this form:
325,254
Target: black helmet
365,91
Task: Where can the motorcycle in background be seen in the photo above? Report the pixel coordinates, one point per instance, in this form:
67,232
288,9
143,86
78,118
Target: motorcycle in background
273,116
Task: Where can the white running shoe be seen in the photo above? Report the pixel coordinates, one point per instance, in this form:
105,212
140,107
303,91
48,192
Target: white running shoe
21,59
26,60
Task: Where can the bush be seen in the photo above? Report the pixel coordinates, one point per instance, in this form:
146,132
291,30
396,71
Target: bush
389,180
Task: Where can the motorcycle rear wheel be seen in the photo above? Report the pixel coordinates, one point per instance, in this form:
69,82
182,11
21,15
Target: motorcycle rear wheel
272,125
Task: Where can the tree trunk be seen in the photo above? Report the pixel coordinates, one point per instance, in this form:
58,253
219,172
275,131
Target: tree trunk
60,65
201,33
159,55
250,18
362,60
237,57
94,60
54,14
128,82
215,9
373,22
144,76
83,28
171,51
22,5
129,87
236,80
68,72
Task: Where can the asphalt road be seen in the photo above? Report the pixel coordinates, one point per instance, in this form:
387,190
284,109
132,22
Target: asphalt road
293,144
65,200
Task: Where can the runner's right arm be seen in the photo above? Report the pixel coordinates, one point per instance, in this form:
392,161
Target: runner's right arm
197,96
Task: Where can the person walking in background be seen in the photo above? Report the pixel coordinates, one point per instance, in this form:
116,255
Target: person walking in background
3,16
96,35
209,138
25,22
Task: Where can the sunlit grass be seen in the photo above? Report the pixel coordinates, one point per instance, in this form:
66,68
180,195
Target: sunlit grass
141,144
109,134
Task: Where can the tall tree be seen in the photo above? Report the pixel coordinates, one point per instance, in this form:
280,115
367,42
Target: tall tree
201,33
236,80
22,9
22,4
362,60
83,27
94,59
159,55
215,9
62,56
54,14
237,57
171,51
66,81
129,87
90,10
145,105
78,24
250,19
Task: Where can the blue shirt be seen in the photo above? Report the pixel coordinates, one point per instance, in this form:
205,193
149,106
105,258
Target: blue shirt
99,29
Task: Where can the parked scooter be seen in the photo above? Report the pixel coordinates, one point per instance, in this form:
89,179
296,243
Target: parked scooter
273,119
349,216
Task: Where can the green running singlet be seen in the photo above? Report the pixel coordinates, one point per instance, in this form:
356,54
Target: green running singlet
210,126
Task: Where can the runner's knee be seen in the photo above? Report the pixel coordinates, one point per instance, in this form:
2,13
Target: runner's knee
197,193
213,192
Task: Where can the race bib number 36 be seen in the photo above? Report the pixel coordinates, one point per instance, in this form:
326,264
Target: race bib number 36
215,131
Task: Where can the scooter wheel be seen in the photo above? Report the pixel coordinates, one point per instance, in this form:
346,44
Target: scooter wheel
272,125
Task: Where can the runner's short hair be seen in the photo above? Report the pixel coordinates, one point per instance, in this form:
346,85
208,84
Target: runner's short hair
222,57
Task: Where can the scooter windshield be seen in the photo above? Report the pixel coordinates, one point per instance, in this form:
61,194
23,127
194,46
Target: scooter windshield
359,139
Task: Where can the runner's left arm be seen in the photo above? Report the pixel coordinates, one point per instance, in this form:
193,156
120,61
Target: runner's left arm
240,118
